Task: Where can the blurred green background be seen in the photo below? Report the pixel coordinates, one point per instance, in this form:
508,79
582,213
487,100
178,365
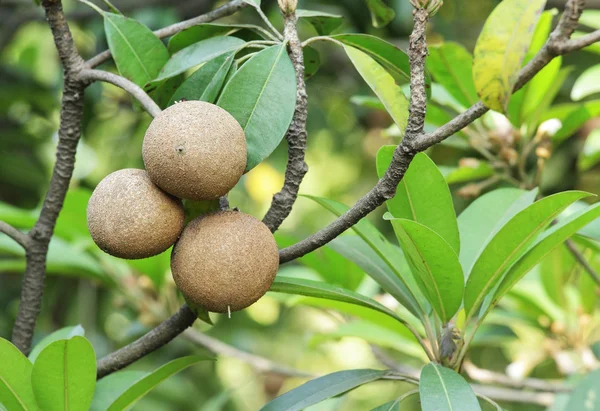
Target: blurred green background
117,301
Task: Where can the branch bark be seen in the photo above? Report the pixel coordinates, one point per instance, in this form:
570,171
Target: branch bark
148,343
385,188
68,137
223,11
297,168
89,75
15,234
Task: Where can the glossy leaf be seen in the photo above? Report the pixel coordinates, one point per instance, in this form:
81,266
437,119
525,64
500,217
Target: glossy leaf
422,196
138,53
379,258
587,84
585,395
479,221
381,13
312,61
324,23
501,48
206,82
321,388
109,388
262,97
572,116
509,244
317,289
64,375
590,18
546,242
205,31
382,84
15,374
386,54
434,264
590,155
451,65
442,389
142,386
468,173
197,54
62,334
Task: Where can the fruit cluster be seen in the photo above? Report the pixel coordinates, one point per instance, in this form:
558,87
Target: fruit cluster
195,151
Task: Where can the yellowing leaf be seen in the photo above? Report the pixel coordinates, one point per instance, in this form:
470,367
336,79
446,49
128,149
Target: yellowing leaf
501,48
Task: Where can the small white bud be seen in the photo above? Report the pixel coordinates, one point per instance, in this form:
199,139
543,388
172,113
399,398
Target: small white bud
288,6
550,127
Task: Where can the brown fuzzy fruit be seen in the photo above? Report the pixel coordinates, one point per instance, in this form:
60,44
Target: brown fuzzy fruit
129,217
195,150
225,259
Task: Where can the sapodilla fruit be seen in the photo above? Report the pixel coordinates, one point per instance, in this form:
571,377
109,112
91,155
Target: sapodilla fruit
129,217
195,150
225,261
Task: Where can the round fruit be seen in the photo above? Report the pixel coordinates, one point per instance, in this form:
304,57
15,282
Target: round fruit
195,150
129,217
225,261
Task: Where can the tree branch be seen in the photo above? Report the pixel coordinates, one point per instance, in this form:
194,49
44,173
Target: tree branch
15,234
296,136
386,186
582,261
259,363
89,75
223,11
68,137
152,341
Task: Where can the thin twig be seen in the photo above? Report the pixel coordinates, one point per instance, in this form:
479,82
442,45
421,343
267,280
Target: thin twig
15,234
268,23
130,87
582,261
153,340
386,186
223,11
259,363
297,168
69,132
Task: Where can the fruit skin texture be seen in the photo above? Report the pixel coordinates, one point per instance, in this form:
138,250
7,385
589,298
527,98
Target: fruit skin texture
195,150
225,258
129,217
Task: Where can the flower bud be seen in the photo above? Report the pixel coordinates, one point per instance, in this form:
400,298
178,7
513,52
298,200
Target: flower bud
432,6
288,6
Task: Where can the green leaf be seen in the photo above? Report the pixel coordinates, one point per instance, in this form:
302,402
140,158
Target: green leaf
422,196
64,375
205,31
572,116
468,173
262,97
545,243
15,385
585,395
138,53
197,54
501,48
206,82
381,14
451,66
324,23
317,289
322,388
392,273
587,84
156,268
590,18
509,244
590,155
109,388
482,218
147,383
62,334
434,264
312,61
389,56
442,389
383,84
378,257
